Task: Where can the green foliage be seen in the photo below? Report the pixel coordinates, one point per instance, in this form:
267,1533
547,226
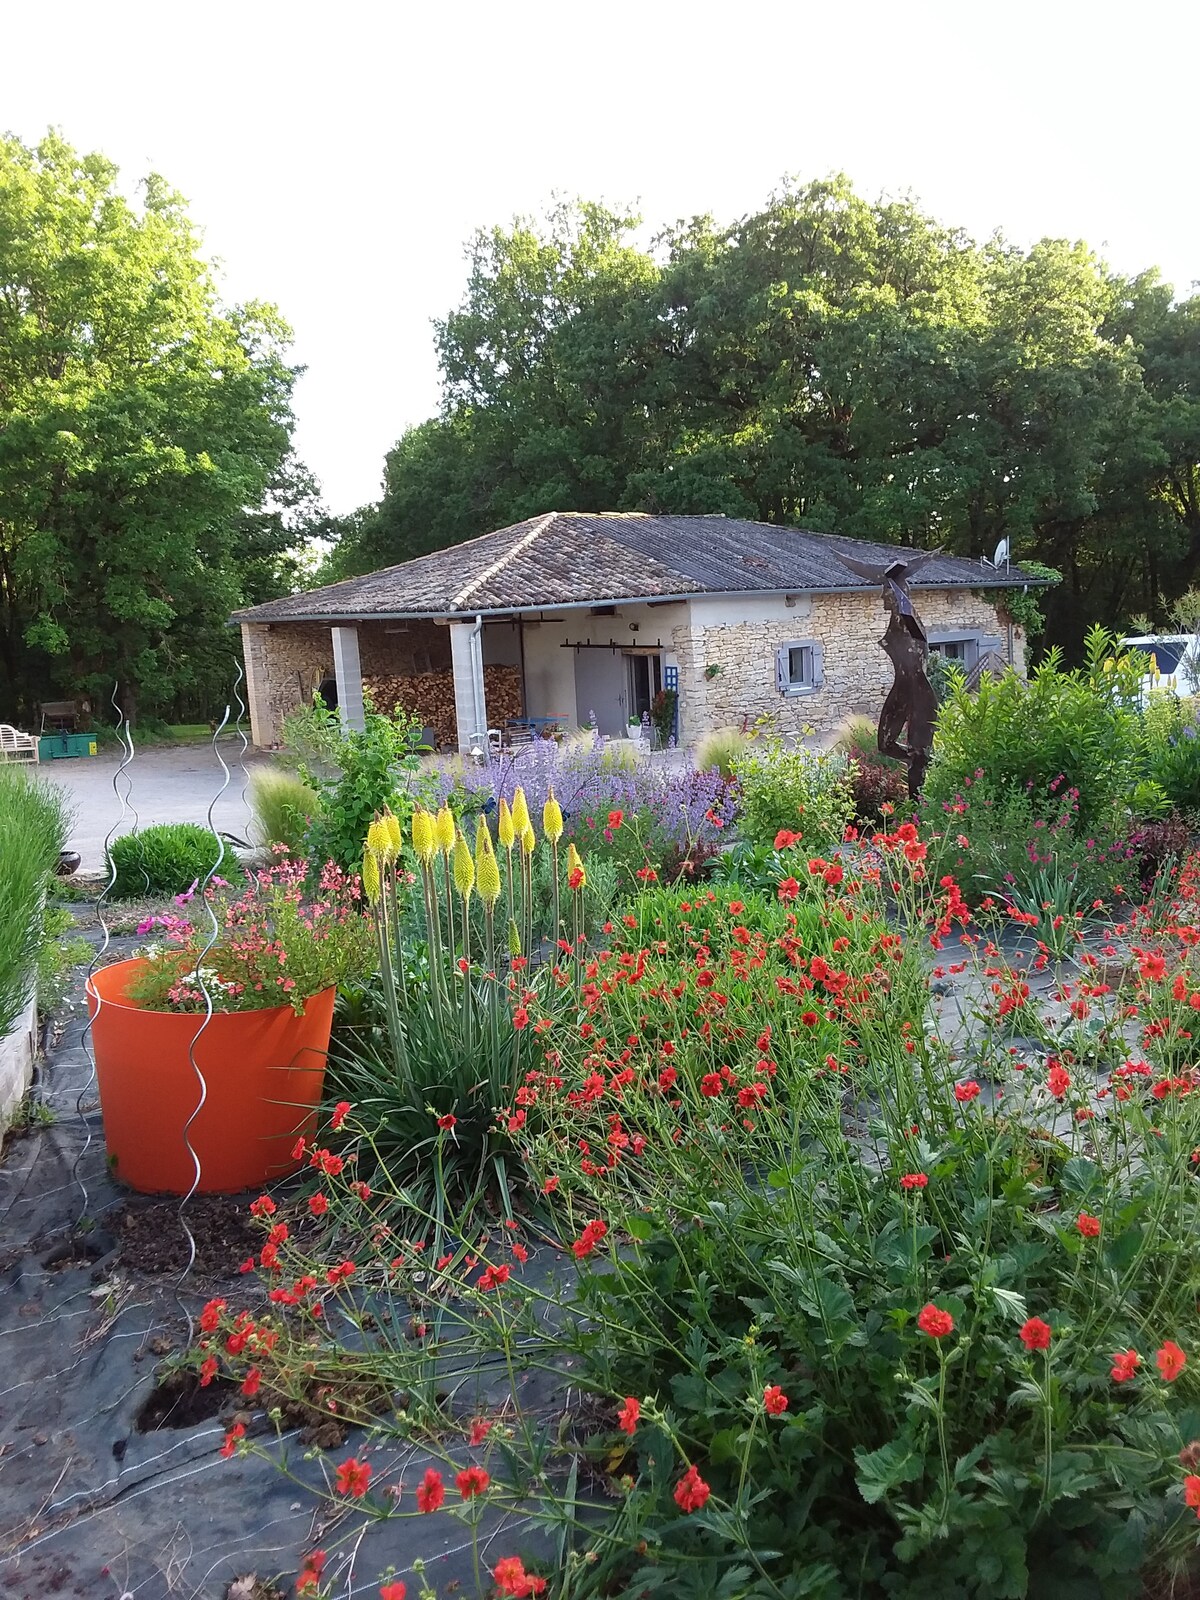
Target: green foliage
354,773
283,806
1076,730
720,749
146,484
166,859
34,823
789,787
1172,746
1024,606
59,953
828,361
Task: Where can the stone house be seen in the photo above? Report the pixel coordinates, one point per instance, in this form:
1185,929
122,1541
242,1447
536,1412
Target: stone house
578,618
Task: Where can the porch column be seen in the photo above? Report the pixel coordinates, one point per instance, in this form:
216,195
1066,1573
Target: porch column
470,705
347,670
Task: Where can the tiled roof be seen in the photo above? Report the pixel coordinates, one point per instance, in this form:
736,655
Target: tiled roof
573,557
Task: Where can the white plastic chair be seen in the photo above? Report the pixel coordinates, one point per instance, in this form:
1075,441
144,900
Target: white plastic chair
17,746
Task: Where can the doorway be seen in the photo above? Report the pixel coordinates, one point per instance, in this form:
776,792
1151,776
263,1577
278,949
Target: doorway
645,681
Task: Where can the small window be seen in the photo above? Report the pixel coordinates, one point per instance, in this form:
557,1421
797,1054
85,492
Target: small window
952,649
799,667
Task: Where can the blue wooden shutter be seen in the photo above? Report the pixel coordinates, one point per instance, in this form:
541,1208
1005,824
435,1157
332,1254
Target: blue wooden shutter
818,665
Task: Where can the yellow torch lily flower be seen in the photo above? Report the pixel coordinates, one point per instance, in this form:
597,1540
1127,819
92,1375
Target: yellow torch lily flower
423,840
520,811
552,819
576,876
379,841
487,873
443,829
464,867
394,831
529,841
370,876
506,829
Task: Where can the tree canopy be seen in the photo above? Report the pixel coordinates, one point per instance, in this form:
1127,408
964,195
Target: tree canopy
828,362
147,485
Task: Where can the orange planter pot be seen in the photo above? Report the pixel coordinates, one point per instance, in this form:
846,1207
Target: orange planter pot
264,1072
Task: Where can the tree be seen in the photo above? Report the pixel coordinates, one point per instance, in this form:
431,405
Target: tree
144,441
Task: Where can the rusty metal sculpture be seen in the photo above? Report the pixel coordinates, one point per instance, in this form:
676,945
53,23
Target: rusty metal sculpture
911,703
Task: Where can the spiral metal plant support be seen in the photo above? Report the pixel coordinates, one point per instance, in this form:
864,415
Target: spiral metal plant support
122,786
202,985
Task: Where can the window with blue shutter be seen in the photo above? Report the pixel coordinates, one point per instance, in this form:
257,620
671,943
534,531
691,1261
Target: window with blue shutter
799,666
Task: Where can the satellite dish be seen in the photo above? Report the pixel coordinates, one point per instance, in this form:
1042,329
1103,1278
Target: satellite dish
1000,559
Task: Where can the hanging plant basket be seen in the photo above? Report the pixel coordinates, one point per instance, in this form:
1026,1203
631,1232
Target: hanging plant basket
264,1072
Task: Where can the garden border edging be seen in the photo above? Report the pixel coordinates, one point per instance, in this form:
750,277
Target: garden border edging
17,1051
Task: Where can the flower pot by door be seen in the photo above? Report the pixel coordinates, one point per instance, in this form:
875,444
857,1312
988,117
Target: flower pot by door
264,1072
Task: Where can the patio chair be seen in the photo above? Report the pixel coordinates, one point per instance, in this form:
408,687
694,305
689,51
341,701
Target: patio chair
17,746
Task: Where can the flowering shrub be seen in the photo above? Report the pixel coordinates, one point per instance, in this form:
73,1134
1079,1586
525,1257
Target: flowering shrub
1172,741
284,938
790,787
859,1304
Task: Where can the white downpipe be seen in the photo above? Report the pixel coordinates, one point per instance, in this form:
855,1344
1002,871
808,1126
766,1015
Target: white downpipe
478,698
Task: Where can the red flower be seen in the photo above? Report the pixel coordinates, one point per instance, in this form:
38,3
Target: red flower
1170,1360
208,1371
914,1180
588,1240
615,819
965,1092
627,1417
318,1204
211,1315
353,1478
238,1431
447,1121
493,1277
472,1481
775,1402
310,1573
1035,1334
251,1383
264,1206
1191,1492
809,1019
510,1577
711,1084
393,1591
575,878
1125,1364
480,1428
785,839
935,1322
833,875
431,1491
1088,1225
520,1017
1058,1081
788,890
691,1491
340,1112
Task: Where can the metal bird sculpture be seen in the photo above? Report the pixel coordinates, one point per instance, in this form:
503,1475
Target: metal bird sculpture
911,703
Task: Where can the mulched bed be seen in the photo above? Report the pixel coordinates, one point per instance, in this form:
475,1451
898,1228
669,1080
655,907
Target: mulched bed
152,1238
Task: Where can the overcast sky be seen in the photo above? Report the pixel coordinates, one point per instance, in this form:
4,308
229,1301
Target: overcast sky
338,156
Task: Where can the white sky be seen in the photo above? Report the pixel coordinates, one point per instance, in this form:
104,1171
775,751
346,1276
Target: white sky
338,156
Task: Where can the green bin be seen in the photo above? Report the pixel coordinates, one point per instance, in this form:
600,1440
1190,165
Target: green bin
60,746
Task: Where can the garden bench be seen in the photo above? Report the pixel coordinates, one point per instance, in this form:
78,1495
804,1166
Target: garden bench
17,746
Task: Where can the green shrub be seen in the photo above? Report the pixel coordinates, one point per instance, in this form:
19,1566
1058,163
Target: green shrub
721,749
34,822
789,787
1077,729
163,860
284,806
1172,745
354,775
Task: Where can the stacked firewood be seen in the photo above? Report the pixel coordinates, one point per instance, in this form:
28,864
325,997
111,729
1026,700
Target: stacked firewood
429,697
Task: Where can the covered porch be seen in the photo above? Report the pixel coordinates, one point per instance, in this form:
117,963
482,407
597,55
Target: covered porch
489,679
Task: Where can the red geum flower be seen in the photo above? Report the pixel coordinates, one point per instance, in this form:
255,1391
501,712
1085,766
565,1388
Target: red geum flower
393,1591
447,1121
264,1206
309,1575
493,1277
775,1402
510,1578
208,1371
211,1315
788,890
318,1204
472,1481
251,1383
1191,1492
615,819
1170,1360
480,1428
591,1236
691,1492
340,1112
353,1477
431,1491
1124,1364
1058,1081
965,1092
238,1431
914,1180
1035,1334
785,839
1088,1225
627,1417
934,1321
711,1084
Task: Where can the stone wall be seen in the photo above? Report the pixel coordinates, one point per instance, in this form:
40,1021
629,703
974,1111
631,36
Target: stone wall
286,662
740,639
